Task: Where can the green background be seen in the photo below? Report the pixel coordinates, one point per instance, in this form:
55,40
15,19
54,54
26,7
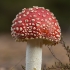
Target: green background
9,9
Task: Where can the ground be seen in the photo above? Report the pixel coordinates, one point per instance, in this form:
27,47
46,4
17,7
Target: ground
12,54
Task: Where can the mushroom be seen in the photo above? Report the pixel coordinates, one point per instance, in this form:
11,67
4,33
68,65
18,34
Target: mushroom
36,26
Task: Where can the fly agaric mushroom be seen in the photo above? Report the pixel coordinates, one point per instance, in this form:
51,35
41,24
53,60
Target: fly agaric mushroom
36,26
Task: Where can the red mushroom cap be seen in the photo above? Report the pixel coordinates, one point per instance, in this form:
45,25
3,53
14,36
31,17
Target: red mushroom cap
36,23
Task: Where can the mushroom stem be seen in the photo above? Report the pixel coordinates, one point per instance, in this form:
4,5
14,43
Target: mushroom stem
34,55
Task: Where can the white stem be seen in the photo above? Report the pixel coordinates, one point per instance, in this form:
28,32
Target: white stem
33,55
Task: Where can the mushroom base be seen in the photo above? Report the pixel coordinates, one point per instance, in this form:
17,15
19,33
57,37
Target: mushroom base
34,55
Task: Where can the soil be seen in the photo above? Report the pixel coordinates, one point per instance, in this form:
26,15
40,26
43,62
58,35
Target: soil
12,54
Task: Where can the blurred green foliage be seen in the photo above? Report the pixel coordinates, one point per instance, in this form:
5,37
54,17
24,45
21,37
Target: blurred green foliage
9,8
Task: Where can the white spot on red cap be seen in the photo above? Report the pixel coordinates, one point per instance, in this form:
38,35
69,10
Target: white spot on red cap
23,11
34,16
30,15
34,34
53,17
52,14
34,27
43,24
42,19
17,28
19,16
40,36
19,21
33,19
22,34
27,13
35,11
50,18
47,9
24,15
37,24
30,31
26,20
37,18
20,13
21,28
33,23
30,8
24,27
29,23
42,11
44,15
45,20
23,31
36,7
